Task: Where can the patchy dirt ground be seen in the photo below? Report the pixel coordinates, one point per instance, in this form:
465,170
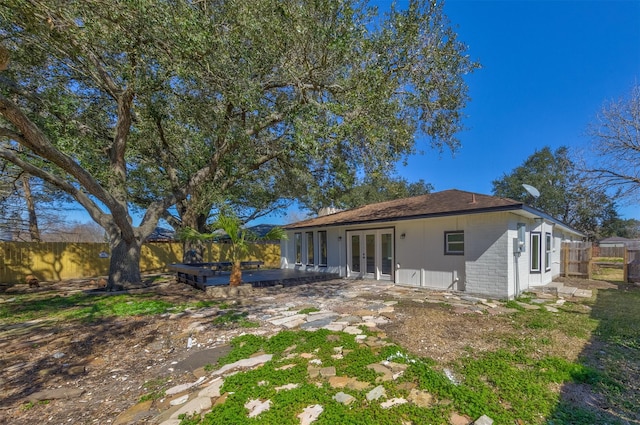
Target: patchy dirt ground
110,361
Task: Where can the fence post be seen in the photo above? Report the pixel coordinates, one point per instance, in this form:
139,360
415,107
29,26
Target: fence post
565,258
625,266
590,263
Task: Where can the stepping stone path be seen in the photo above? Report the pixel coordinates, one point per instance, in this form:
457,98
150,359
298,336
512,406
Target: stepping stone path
341,307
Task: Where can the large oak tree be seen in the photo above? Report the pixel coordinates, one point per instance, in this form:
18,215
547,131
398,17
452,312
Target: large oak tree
147,103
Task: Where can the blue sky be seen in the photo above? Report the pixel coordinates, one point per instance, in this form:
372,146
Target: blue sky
547,69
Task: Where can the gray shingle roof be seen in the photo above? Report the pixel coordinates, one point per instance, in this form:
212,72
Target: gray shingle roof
448,202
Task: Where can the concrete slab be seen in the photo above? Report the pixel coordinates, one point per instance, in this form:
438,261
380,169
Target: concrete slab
567,291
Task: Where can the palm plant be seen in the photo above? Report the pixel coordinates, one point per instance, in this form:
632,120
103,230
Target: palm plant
240,239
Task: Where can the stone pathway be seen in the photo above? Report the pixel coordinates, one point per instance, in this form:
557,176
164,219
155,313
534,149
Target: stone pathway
329,305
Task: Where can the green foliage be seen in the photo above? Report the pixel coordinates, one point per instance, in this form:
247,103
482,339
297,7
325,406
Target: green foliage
158,104
232,317
308,310
83,307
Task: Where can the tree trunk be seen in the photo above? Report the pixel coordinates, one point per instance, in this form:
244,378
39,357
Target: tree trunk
193,252
34,231
124,265
236,274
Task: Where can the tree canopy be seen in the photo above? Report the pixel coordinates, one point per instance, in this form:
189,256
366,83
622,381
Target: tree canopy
371,189
145,104
564,192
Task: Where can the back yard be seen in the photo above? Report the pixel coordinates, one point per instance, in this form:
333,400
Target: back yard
70,354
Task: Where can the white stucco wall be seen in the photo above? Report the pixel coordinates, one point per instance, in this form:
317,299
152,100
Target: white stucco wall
488,266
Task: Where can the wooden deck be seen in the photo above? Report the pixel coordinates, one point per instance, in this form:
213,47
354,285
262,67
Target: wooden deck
258,278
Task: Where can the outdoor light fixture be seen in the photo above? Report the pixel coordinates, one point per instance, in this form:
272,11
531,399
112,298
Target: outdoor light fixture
402,236
339,238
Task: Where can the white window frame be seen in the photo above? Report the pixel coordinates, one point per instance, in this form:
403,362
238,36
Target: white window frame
448,243
535,252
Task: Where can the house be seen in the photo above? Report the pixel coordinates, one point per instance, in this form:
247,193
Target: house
451,240
616,242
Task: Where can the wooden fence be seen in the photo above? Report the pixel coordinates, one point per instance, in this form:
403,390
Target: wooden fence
609,251
576,259
632,263
54,261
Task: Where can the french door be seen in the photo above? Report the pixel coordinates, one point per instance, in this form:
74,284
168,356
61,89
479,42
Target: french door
370,254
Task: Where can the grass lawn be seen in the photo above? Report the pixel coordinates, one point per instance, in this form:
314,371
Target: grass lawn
527,379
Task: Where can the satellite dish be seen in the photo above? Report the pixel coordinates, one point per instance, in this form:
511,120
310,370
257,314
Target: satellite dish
532,190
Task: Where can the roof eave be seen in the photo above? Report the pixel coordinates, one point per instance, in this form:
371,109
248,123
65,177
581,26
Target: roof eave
500,208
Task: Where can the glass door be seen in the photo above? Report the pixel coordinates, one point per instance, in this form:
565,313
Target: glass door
353,254
370,254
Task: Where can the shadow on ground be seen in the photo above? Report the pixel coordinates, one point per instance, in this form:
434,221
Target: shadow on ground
612,394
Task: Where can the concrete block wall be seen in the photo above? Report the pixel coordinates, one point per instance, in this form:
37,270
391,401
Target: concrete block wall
486,249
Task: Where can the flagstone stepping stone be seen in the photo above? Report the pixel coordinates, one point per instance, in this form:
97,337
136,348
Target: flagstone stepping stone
317,324
184,387
551,309
583,293
389,315
256,407
287,387
221,400
313,371
376,393
213,390
327,372
180,400
294,323
310,414
390,303
420,398
197,405
347,382
538,301
55,394
387,375
283,321
321,315
349,320
393,402
344,398
528,306
406,386
483,420
244,364
334,327
458,419
352,330
202,358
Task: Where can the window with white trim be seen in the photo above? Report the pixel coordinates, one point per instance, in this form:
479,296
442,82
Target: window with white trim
310,249
322,247
535,252
297,240
547,251
454,243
